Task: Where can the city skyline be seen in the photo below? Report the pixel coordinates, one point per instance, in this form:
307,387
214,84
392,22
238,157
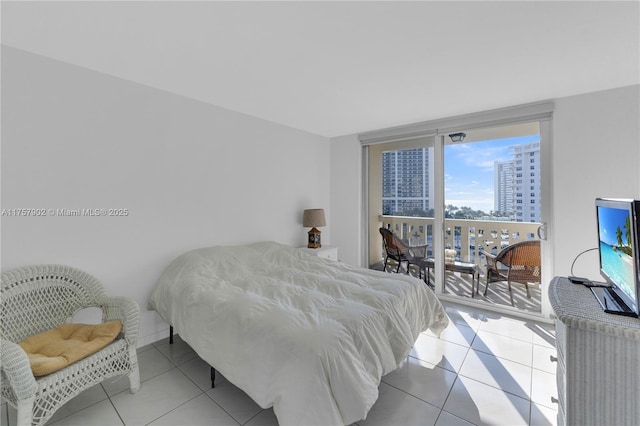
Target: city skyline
469,170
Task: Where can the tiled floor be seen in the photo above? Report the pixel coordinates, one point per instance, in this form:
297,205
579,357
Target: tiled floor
483,369
498,293
459,284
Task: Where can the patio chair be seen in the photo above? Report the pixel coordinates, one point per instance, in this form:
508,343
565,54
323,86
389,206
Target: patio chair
519,262
39,298
400,252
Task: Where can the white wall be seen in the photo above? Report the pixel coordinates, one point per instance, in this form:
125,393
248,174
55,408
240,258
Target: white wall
190,175
596,152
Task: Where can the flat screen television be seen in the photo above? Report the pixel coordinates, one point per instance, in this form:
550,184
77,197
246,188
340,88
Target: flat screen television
618,236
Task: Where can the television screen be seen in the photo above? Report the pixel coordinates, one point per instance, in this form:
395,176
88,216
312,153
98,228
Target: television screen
618,252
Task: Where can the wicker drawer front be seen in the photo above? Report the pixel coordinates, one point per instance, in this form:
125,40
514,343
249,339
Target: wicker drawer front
561,371
560,381
561,338
598,373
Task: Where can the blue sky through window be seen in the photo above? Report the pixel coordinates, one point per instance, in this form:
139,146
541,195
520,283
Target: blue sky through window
469,169
610,220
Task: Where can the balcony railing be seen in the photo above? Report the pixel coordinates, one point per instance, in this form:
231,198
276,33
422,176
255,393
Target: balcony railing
470,238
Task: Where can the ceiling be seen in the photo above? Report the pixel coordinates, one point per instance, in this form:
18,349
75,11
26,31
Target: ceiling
337,68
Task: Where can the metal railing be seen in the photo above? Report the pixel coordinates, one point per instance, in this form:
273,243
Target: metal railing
469,238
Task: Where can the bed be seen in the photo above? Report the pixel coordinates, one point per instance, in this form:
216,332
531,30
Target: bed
308,336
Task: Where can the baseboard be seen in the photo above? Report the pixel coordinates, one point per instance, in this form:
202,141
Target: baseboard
153,338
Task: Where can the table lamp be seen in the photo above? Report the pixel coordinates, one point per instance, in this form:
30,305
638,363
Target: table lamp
314,218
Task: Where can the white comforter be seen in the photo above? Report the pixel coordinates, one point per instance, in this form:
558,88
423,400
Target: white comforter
309,336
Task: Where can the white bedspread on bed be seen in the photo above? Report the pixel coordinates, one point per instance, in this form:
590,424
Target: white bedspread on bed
309,336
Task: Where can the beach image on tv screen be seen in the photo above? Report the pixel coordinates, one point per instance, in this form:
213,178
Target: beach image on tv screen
615,248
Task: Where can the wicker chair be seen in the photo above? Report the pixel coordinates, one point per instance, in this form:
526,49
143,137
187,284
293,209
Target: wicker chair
41,297
519,262
398,251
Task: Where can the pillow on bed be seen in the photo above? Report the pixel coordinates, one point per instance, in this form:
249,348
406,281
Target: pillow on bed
55,349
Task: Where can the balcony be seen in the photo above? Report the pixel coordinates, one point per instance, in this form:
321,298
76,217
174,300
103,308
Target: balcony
470,239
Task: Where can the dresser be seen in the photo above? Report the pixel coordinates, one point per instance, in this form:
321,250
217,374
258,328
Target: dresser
598,372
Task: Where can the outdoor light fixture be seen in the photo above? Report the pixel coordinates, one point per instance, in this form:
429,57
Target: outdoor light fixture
457,137
313,218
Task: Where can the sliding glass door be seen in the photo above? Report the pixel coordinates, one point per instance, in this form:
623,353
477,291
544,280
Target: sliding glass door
493,200
401,185
465,198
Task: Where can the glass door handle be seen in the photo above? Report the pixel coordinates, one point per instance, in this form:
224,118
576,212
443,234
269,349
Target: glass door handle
542,231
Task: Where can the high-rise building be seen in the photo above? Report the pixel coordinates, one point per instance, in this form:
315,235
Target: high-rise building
517,183
503,191
407,181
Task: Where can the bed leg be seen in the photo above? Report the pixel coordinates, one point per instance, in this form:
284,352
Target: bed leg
171,335
213,377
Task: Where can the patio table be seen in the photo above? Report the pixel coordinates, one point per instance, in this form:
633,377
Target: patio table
463,267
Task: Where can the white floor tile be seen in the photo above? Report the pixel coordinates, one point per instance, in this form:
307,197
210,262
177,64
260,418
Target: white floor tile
439,352
422,380
100,414
178,352
80,402
504,347
145,348
544,335
542,359
235,402
465,315
456,333
448,419
200,373
117,384
397,408
482,404
497,372
543,416
152,363
264,418
9,414
543,388
201,410
508,327
155,398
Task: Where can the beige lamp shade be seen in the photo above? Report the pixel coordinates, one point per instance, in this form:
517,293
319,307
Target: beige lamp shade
313,218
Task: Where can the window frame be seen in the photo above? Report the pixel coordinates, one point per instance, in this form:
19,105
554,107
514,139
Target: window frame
541,112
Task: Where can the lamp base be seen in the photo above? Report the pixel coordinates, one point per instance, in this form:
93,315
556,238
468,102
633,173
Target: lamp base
314,238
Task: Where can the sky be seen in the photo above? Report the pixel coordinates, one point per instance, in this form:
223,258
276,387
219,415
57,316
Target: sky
469,171
610,219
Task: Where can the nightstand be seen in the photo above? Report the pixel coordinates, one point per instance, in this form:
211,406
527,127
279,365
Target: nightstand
326,252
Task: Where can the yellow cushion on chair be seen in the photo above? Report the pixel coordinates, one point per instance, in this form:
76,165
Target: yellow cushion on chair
55,349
